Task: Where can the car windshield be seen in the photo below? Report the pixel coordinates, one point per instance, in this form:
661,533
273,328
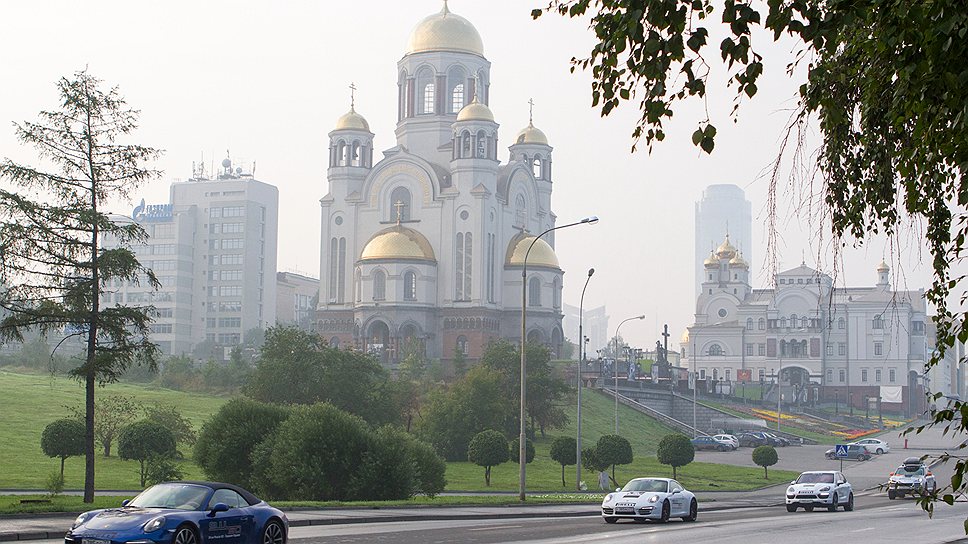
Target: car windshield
654,486
910,470
816,478
177,496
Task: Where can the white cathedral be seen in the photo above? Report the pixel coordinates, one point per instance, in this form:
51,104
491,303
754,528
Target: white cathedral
425,247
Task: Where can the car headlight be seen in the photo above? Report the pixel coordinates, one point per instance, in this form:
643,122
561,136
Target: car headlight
653,498
154,524
607,498
825,488
82,519
790,490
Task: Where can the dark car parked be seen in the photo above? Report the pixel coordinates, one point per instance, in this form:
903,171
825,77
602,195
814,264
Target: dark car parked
751,440
857,452
775,440
710,443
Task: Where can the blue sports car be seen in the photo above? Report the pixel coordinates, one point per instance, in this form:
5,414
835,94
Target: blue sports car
184,513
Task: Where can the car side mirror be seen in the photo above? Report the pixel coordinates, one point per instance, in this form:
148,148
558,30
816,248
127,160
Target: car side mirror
618,489
675,491
219,507
125,502
793,482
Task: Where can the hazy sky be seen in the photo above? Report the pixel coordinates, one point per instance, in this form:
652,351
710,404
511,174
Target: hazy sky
267,81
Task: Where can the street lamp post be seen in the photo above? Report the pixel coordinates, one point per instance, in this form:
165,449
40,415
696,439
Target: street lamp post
524,315
615,353
581,362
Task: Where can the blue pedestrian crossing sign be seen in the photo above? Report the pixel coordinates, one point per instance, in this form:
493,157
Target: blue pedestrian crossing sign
841,450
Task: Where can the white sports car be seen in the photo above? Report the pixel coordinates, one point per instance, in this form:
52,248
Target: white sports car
650,498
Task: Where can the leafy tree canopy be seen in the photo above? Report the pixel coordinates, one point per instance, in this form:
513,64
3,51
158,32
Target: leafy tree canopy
675,450
514,450
63,438
564,452
144,440
612,450
487,449
765,456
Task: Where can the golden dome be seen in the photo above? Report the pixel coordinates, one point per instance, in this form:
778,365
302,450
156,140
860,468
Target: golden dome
711,261
398,242
475,111
738,260
684,339
531,135
445,31
883,267
726,249
541,253
352,121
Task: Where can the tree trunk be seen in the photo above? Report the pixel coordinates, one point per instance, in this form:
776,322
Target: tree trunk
674,477
562,475
142,461
107,446
89,426
766,474
487,476
62,468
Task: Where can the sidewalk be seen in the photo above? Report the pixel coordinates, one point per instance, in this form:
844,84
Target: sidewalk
53,526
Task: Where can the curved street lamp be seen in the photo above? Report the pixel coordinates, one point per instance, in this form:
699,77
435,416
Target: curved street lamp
581,362
616,364
524,308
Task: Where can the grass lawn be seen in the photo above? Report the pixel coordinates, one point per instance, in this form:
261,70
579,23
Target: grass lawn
30,402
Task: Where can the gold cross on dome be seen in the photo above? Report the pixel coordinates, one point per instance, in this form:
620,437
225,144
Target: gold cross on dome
399,205
531,111
352,95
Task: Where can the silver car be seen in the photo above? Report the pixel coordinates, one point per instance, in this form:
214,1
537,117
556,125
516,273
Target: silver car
875,445
912,477
824,488
644,499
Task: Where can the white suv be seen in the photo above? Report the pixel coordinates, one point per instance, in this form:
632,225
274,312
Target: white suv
826,488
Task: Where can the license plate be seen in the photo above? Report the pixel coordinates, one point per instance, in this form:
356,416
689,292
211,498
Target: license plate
624,511
95,541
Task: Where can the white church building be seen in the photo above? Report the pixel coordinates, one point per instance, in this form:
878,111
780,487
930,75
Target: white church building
851,345
424,247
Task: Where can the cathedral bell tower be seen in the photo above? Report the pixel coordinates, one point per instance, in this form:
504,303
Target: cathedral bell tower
350,150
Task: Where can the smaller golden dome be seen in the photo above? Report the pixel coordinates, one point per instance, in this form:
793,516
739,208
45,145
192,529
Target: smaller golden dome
475,111
352,121
738,260
531,135
541,254
883,267
711,261
726,249
398,242
684,339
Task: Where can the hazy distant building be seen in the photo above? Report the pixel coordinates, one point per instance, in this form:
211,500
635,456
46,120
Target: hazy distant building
594,327
296,296
834,344
723,208
426,244
213,248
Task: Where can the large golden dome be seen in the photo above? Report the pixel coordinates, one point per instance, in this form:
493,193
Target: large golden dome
531,135
726,249
445,31
475,111
352,121
541,254
398,242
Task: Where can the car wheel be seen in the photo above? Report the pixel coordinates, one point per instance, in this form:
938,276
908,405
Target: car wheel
610,520
880,451
891,494
833,504
185,535
849,507
273,533
693,511
791,508
665,512
721,448
808,508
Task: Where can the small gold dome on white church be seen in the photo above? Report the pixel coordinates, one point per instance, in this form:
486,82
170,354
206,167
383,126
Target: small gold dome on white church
398,242
883,267
531,135
445,31
738,260
711,261
684,339
352,121
475,111
541,254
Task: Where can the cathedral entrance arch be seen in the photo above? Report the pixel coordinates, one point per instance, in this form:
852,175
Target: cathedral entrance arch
556,343
535,337
378,341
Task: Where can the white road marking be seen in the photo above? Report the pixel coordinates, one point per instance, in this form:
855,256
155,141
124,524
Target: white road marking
496,527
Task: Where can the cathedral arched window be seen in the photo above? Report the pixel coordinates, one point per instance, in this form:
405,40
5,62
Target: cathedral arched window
462,345
455,88
403,109
841,323
534,292
337,263
556,293
425,91
520,211
481,145
334,342
342,154
482,86
355,155
410,286
715,350
536,167
358,284
400,204
761,324
465,145
782,322
749,323
379,285
462,264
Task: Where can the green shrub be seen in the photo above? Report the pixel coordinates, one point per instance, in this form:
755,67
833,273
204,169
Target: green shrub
429,468
676,450
385,471
55,484
63,438
564,452
765,456
514,450
162,469
226,442
143,440
612,450
487,449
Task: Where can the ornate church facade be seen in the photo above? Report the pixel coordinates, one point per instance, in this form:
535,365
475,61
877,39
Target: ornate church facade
423,249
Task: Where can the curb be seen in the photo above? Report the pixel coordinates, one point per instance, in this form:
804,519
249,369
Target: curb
712,507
